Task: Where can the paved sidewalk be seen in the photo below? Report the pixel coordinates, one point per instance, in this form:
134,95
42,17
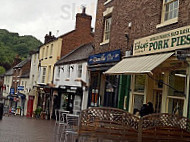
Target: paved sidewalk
22,129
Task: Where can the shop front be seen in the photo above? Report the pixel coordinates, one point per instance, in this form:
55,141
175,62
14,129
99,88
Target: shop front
103,90
160,71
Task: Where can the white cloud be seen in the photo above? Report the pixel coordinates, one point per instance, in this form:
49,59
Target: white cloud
38,17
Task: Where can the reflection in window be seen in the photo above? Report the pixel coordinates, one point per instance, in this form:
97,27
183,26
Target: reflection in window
175,106
140,83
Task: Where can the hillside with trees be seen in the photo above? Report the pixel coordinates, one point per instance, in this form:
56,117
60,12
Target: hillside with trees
12,45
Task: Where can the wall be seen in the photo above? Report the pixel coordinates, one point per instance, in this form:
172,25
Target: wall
50,60
8,84
144,15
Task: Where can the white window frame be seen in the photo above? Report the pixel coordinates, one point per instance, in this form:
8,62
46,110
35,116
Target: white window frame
68,71
79,71
43,74
107,28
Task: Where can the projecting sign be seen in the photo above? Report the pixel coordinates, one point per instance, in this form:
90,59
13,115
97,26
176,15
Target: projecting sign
166,41
20,88
12,91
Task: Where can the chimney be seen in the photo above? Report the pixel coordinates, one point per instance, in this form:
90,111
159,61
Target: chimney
49,38
83,21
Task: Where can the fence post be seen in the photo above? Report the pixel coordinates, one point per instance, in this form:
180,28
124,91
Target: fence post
140,130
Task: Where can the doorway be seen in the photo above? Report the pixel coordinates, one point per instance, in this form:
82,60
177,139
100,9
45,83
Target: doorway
157,100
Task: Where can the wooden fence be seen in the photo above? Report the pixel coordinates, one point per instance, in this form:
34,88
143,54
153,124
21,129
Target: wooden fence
118,125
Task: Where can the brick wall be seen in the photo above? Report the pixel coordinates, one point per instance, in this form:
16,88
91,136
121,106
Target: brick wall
80,36
144,15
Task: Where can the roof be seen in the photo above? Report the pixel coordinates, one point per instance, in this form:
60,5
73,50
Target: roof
139,65
21,64
80,53
9,72
25,74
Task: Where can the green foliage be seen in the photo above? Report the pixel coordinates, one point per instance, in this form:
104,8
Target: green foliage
2,70
11,44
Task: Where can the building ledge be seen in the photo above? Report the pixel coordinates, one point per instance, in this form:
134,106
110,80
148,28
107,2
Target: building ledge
168,22
105,42
108,1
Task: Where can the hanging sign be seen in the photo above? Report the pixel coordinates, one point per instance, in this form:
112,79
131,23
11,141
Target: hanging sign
162,42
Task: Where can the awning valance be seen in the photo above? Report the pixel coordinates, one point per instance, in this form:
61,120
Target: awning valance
139,65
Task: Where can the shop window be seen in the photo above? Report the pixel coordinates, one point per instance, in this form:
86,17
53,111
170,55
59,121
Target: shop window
139,83
79,71
176,91
107,28
138,101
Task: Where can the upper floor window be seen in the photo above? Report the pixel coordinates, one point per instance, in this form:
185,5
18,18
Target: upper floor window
107,28
47,51
43,52
68,71
43,75
79,71
170,10
58,71
51,50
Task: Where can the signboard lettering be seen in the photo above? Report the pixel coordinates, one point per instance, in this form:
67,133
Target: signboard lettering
167,41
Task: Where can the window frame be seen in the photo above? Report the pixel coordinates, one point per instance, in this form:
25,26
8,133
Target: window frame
79,72
107,28
43,74
164,10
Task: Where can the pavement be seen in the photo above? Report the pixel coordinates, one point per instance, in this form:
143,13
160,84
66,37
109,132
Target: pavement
22,129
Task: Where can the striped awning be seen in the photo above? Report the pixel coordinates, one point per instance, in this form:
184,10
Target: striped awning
138,65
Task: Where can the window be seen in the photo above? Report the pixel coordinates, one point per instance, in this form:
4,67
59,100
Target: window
79,71
49,74
68,71
170,9
43,52
43,75
51,50
47,51
107,28
58,71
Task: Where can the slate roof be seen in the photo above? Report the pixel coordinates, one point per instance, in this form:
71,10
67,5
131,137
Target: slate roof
25,74
81,53
9,72
21,64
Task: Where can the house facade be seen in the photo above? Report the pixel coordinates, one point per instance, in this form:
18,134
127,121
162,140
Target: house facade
71,80
157,34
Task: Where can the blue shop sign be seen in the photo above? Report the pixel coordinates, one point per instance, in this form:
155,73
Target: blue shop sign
20,88
112,56
12,91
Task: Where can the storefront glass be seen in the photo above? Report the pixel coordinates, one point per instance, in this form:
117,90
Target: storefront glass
64,101
139,83
176,91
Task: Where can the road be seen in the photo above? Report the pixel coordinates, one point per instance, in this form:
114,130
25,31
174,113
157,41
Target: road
22,129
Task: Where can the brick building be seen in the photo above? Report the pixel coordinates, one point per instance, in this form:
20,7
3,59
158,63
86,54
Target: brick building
147,28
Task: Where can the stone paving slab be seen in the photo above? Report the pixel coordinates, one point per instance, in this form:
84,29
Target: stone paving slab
22,129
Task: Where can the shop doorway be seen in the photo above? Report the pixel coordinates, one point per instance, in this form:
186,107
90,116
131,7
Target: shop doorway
30,106
157,100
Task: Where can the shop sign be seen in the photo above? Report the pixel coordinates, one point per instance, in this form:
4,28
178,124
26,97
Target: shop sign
20,88
71,91
163,42
12,91
112,56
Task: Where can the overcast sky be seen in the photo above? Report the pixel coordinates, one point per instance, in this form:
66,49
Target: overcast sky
38,17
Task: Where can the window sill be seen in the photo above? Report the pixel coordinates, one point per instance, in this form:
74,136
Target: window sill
67,79
166,23
108,1
105,42
78,79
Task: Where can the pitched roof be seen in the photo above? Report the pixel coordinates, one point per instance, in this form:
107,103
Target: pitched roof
80,53
9,72
21,64
25,74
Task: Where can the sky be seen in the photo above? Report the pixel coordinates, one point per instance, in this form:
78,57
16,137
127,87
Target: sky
38,17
